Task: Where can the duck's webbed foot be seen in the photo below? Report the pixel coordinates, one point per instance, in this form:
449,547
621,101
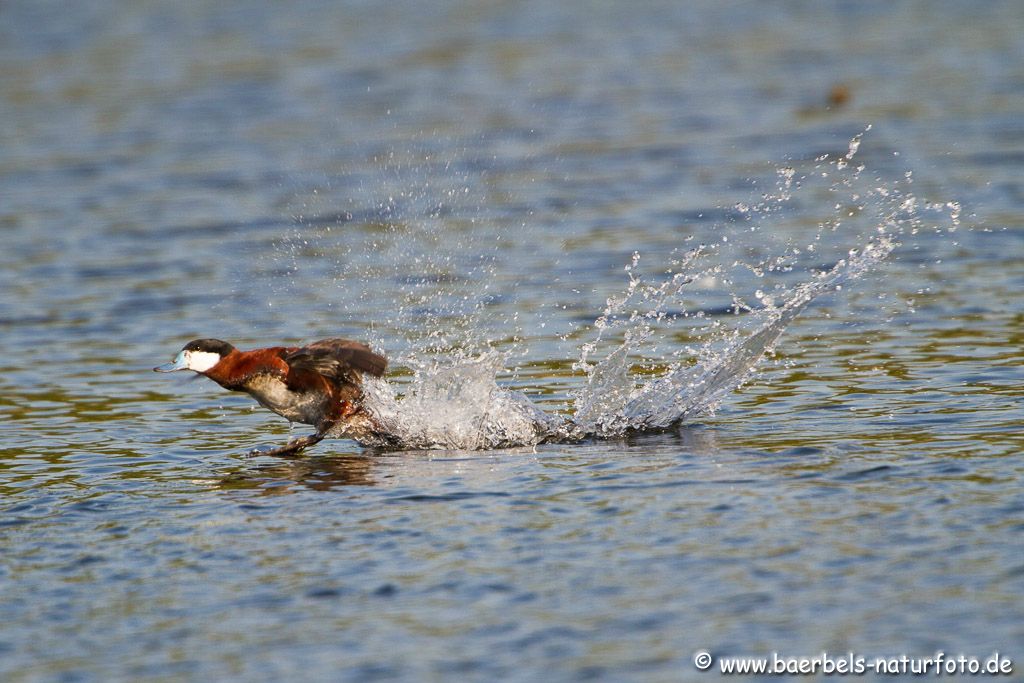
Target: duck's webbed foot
292,448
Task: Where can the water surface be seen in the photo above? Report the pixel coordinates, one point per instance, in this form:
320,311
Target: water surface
472,176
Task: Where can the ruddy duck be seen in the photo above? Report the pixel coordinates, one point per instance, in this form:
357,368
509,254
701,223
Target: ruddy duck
319,384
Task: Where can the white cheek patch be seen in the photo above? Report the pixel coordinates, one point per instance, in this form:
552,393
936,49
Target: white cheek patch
201,361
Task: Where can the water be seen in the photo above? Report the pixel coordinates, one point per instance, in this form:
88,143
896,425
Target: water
465,186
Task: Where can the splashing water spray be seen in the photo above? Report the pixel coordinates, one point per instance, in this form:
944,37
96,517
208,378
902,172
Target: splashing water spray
453,400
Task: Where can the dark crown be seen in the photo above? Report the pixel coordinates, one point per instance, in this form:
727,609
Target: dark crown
210,346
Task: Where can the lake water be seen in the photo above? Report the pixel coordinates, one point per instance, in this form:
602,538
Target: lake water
446,180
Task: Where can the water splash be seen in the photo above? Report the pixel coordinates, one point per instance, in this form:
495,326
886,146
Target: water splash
608,405
458,406
454,400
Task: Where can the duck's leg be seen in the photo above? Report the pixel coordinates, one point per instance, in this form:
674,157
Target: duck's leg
294,446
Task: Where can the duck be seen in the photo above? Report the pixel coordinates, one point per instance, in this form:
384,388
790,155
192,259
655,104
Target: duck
320,384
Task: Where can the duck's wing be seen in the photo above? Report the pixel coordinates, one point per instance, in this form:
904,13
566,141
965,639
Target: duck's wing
332,357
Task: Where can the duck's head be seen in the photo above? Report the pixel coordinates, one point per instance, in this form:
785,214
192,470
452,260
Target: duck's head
199,355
